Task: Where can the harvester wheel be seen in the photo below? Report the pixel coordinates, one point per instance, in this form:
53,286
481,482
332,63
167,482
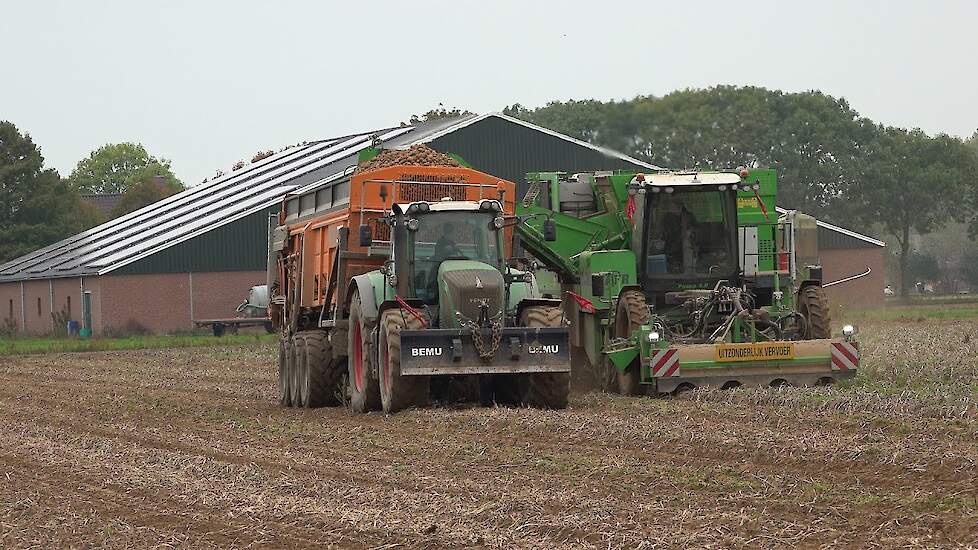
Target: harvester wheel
813,303
320,375
544,390
284,372
364,390
398,392
298,367
632,313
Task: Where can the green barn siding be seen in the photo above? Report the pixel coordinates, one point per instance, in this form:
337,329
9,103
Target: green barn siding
237,246
509,150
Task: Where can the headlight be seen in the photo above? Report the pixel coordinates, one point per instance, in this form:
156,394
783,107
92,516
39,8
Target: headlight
848,331
654,337
497,222
413,224
423,207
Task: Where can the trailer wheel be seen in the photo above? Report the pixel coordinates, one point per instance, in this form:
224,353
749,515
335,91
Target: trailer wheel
632,313
548,390
398,392
813,303
284,374
218,329
364,390
321,375
298,366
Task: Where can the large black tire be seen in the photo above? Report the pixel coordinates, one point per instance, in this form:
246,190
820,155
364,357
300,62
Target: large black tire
320,375
398,392
548,390
284,373
632,313
362,386
813,304
298,366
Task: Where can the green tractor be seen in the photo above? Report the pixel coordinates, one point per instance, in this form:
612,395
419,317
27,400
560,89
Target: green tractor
675,280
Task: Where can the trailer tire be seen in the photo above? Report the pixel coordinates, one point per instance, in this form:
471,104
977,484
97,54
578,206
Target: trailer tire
299,365
632,312
284,373
813,303
398,392
363,388
549,390
218,329
320,375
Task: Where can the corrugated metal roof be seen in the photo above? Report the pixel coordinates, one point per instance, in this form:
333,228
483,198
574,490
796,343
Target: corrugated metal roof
175,219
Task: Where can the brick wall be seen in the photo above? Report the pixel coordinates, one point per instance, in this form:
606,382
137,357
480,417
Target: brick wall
860,293
50,295
163,303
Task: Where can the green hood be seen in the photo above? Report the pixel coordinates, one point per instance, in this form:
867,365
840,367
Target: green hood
462,285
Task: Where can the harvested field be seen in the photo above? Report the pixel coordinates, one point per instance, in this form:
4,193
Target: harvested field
187,447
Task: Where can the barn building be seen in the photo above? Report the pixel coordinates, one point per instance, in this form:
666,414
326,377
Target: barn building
195,254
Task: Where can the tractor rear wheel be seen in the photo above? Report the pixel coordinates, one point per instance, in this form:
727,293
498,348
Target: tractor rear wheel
284,373
548,390
632,313
320,375
298,367
363,389
398,392
813,303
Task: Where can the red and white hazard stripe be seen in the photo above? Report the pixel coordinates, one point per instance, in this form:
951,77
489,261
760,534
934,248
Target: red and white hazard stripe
665,362
845,356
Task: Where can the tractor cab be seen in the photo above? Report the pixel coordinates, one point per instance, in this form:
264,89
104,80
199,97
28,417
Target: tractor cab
449,256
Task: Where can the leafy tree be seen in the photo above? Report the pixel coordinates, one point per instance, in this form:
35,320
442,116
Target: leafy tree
814,141
969,267
117,168
913,183
923,267
36,207
142,194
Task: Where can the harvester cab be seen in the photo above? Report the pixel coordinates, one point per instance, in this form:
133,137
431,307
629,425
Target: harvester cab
669,284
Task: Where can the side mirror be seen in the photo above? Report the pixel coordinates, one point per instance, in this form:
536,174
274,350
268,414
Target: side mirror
549,230
366,237
597,285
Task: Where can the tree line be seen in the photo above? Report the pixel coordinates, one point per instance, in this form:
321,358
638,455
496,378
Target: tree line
831,161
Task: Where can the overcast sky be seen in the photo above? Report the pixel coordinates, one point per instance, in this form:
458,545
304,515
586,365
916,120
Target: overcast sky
206,83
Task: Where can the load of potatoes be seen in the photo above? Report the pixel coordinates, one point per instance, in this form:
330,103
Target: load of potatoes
416,155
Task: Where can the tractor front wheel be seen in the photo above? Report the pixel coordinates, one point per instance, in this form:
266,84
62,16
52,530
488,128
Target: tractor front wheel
632,313
548,390
362,387
813,303
398,392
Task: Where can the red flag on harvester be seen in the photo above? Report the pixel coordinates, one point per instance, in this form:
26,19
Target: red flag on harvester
582,302
630,208
760,201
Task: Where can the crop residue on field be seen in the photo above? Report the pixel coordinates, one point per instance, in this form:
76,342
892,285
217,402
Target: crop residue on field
186,447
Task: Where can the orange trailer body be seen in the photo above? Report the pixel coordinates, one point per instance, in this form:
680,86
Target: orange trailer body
313,239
